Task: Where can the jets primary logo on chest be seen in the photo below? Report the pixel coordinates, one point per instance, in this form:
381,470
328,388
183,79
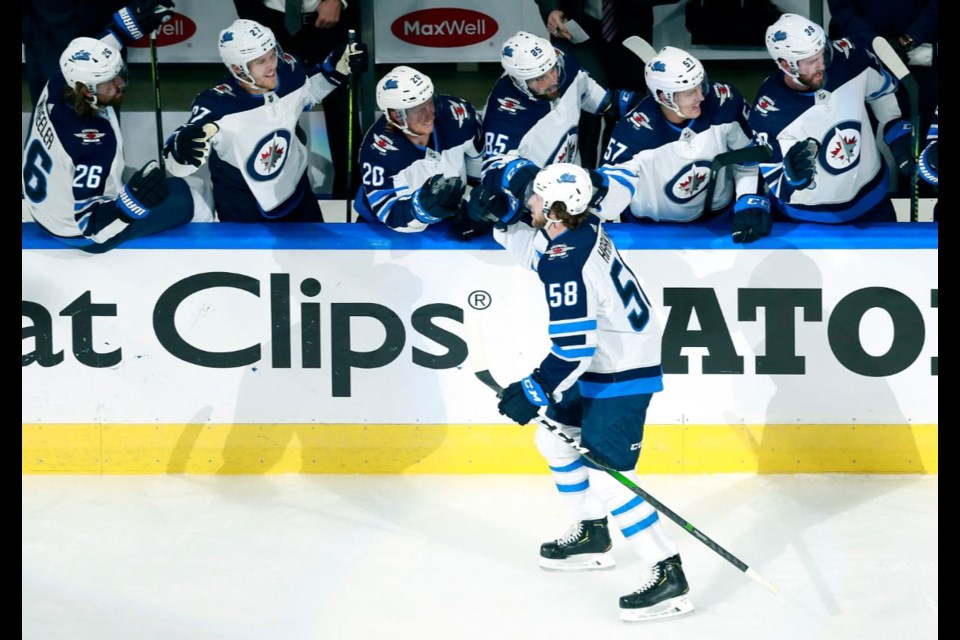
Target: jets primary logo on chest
688,182
269,155
840,147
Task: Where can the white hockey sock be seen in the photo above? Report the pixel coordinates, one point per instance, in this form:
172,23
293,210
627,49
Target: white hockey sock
638,521
570,475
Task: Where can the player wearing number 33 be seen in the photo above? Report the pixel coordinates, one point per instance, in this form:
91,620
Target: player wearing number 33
73,160
826,164
597,381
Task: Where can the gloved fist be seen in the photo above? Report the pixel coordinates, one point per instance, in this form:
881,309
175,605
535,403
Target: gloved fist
146,189
519,178
466,228
751,218
521,401
438,198
899,139
928,163
800,163
190,144
141,17
492,207
353,59
601,184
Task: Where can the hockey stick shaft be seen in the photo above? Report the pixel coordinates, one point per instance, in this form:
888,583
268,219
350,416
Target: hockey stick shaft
156,96
892,61
746,155
482,372
351,39
640,48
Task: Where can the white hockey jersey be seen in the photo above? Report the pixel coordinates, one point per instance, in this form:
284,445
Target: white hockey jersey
393,168
257,161
73,168
851,177
660,170
603,328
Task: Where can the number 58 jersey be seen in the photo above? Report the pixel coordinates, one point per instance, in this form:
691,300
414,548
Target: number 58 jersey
604,329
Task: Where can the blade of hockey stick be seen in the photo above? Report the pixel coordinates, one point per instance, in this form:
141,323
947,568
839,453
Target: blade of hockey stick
478,363
747,155
640,48
892,61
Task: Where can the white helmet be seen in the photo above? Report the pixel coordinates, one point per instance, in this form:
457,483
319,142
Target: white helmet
793,38
671,71
564,182
242,42
525,57
90,62
402,89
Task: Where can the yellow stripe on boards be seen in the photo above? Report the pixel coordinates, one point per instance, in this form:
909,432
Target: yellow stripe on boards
462,449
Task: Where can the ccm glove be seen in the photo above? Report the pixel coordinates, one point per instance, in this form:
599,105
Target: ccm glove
191,143
521,401
146,189
751,218
142,16
899,139
347,59
928,163
518,178
466,228
800,163
438,198
491,206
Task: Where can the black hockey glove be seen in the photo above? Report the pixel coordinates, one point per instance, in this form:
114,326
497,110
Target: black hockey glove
899,139
190,144
800,163
140,17
929,169
146,189
466,228
521,401
751,218
601,184
492,207
519,179
438,198
347,59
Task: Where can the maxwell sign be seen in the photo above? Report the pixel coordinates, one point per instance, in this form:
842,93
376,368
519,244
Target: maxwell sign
444,27
174,31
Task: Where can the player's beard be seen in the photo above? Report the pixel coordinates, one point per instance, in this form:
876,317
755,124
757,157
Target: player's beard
811,83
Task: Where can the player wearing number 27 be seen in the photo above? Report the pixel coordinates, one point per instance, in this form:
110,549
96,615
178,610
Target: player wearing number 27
826,165
596,381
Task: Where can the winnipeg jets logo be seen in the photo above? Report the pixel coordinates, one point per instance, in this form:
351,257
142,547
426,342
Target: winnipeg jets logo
639,119
558,252
90,136
383,144
722,92
566,149
844,46
224,90
459,113
840,148
510,105
688,182
269,155
765,105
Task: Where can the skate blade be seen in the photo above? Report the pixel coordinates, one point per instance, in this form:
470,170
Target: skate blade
672,608
584,562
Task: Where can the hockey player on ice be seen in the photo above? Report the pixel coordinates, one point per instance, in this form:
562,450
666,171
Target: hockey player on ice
73,160
597,381
246,126
657,164
418,157
826,164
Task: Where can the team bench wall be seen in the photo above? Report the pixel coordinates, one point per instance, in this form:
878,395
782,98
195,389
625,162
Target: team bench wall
224,348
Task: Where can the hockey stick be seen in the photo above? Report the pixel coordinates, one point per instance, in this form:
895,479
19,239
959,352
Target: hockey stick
156,96
351,39
893,62
752,153
482,371
640,48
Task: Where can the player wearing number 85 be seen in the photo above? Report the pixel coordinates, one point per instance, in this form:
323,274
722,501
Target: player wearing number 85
597,381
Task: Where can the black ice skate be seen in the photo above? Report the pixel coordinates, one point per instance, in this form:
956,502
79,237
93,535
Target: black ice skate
585,547
663,595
